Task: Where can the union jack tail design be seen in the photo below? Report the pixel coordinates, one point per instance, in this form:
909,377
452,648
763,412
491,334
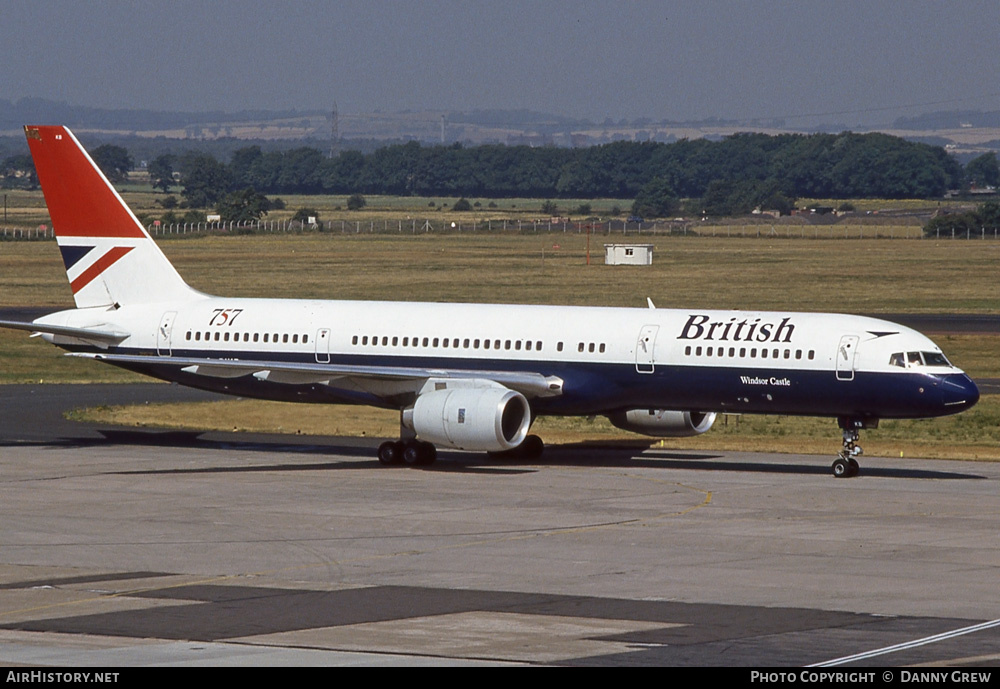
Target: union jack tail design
110,258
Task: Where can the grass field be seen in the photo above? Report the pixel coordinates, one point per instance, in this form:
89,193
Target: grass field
26,209
859,276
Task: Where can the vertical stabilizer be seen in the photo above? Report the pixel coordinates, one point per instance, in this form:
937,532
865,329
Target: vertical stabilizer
110,258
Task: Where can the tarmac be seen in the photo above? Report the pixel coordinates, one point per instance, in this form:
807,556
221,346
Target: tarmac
126,549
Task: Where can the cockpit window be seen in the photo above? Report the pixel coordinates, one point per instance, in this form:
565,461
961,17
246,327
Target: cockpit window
935,359
908,359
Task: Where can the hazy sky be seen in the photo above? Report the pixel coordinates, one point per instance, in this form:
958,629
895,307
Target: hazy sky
847,61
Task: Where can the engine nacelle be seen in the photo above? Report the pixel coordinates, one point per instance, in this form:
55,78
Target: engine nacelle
663,423
491,419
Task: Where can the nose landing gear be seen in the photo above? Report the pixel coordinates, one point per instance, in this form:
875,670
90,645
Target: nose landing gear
846,465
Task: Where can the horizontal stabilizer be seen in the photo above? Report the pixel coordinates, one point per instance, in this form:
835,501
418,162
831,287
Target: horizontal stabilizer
107,337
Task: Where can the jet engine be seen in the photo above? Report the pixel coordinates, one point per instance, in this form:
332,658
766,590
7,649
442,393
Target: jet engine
491,419
663,423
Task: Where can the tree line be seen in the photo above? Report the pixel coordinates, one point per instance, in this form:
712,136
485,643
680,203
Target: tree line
726,177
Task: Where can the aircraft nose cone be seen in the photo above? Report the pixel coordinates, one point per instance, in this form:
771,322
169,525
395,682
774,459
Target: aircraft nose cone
959,392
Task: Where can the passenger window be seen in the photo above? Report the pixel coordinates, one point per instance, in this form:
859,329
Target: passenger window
602,349
295,339
559,346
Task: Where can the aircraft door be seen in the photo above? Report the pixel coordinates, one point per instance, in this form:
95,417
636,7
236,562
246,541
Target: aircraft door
323,346
644,349
164,332
846,354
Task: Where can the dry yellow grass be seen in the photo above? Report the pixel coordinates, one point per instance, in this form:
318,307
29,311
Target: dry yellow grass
972,435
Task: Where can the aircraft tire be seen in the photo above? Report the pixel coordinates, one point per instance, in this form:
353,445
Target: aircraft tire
418,453
841,468
845,468
390,453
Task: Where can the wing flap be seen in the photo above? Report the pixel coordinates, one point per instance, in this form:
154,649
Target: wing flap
528,383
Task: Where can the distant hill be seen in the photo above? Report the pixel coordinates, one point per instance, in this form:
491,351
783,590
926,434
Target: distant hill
41,111
149,132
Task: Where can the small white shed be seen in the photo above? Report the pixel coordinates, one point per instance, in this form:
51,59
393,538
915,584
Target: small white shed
628,254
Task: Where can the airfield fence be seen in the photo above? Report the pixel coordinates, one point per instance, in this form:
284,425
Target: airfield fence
605,228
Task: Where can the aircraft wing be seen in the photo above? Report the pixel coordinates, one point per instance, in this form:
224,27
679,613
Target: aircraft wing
91,335
376,379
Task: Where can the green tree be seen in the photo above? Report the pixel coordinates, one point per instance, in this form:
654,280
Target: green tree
161,171
302,215
462,205
114,161
356,202
18,172
655,200
243,206
205,180
983,171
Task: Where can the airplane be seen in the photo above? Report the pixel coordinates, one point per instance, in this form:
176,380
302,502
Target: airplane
470,376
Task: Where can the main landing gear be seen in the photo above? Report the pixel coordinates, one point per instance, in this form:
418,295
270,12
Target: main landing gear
411,452
845,465
418,453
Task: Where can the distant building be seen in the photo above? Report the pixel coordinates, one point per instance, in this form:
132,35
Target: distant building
628,254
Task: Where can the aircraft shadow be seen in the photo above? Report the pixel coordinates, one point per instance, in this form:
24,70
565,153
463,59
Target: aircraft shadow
612,454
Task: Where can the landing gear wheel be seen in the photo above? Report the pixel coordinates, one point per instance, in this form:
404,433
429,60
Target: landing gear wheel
532,447
845,467
841,468
390,453
419,453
